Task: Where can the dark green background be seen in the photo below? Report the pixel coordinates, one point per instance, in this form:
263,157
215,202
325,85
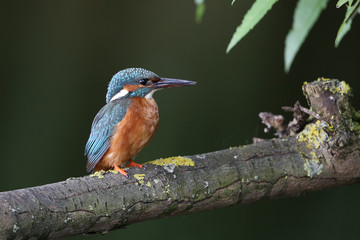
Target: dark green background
58,56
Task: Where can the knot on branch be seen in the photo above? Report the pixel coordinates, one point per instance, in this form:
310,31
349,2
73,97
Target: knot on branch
324,130
330,99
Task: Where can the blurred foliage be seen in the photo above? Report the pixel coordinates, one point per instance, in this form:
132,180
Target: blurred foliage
349,15
306,14
200,10
252,17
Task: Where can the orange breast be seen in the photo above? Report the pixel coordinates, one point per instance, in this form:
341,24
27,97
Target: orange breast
132,134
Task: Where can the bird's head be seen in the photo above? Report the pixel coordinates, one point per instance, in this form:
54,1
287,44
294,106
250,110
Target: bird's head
139,82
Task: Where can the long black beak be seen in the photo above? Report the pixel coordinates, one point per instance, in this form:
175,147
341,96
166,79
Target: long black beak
170,82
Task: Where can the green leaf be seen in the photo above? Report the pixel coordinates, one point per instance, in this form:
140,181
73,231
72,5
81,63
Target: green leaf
305,16
343,30
251,18
200,10
342,2
350,14
346,24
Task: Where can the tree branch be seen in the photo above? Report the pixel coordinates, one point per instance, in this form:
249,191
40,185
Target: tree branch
324,154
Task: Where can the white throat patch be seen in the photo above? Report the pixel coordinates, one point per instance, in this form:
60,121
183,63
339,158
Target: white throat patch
149,95
120,94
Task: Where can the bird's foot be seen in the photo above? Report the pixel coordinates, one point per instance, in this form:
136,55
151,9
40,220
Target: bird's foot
134,164
121,171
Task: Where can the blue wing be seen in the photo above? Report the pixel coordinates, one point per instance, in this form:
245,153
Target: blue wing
102,129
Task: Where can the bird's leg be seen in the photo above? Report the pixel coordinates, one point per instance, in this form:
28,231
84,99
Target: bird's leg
133,164
121,171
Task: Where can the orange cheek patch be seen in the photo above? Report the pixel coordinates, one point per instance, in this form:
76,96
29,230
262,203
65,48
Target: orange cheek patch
154,80
132,88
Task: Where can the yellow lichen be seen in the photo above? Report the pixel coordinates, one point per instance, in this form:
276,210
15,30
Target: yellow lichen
167,189
313,134
354,126
113,171
323,79
98,174
331,124
303,88
140,178
313,166
342,88
177,161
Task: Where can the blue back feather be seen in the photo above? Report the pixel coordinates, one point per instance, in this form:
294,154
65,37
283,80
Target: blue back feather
102,129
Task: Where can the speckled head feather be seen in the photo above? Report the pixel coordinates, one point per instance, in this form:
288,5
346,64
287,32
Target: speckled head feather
128,76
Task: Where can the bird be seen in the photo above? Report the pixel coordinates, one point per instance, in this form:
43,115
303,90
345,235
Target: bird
130,118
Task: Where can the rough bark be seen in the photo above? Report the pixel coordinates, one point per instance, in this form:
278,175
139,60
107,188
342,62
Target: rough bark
324,154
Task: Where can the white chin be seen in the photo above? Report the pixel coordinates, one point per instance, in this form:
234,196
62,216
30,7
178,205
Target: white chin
150,94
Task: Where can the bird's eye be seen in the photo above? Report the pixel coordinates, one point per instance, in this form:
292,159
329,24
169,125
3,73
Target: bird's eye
143,81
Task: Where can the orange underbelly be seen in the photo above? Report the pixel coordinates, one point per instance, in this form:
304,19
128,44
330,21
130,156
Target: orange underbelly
132,134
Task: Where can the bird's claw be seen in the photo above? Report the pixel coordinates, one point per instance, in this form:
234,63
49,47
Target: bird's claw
134,164
121,171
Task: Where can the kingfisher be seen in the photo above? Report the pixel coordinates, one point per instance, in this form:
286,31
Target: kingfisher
123,127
